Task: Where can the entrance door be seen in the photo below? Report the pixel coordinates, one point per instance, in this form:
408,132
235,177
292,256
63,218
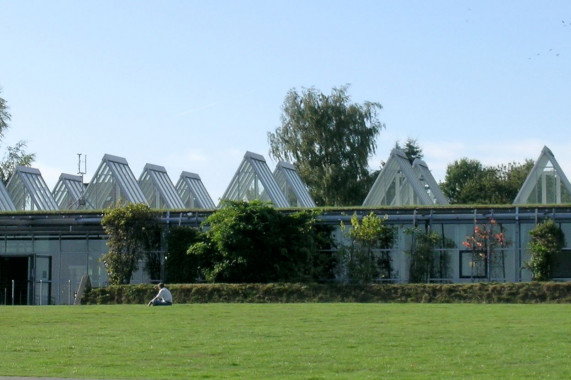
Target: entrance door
42,280
14,288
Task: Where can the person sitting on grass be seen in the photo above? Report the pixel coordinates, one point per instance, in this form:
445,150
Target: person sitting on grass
163,298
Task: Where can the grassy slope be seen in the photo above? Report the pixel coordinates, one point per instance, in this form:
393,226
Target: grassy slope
308,341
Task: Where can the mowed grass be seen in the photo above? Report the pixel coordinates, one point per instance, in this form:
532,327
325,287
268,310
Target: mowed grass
297,341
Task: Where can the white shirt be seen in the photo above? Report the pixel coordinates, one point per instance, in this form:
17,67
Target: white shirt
165,295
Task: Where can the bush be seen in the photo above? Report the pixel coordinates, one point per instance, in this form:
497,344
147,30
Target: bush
547,240
179,266
524,292
252,242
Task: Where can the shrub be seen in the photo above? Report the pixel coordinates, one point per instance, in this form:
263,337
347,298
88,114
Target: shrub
253,242
525,292
547,239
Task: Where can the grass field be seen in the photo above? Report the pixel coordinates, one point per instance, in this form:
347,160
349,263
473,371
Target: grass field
298,341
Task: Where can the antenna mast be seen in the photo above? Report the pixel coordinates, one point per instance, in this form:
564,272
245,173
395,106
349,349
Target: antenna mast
79,172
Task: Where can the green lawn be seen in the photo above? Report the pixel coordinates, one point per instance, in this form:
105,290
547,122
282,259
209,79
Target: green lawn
299,341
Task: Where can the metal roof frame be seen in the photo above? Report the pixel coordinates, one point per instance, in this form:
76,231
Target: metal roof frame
545,184
292,186
397,184
158,188
29,191
254,180
430,185
192,192
6,203
112,183
68,191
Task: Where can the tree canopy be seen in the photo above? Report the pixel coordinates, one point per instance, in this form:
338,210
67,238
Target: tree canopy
467,181
411,149
16,155
329,140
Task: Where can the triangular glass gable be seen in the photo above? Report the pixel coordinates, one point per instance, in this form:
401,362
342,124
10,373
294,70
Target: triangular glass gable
427,180
112,183
292,186
68,191
6,203
192,192
29,191
254,180
158,188
546,183
397,184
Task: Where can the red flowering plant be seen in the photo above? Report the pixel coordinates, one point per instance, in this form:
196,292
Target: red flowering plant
487,246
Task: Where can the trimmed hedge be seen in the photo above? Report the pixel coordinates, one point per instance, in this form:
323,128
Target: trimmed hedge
524,292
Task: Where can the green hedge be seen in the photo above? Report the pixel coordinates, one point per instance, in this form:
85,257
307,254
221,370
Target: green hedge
526,292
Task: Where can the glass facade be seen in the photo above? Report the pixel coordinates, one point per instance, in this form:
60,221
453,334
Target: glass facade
54,264
43,257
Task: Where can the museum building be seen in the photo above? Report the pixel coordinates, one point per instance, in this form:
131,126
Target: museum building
50,240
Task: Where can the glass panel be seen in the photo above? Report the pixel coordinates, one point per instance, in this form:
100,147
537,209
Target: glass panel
566,228
73,267
525,229
471,266
19,245
73,244
561,268
46,245
43,284
96,269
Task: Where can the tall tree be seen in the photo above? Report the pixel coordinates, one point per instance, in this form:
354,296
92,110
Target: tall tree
411,149
329,140
468,181
16,155
5,116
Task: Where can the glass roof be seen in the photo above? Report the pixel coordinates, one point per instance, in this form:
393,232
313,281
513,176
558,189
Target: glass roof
398,184
254,180
6,203
113,183
193,193
292,186
158,188
546,183
29,191
427,180
68,191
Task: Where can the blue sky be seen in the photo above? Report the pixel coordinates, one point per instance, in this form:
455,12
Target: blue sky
193,85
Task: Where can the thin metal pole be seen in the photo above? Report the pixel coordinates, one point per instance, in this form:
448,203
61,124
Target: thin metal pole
69,292
12,292
41,290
